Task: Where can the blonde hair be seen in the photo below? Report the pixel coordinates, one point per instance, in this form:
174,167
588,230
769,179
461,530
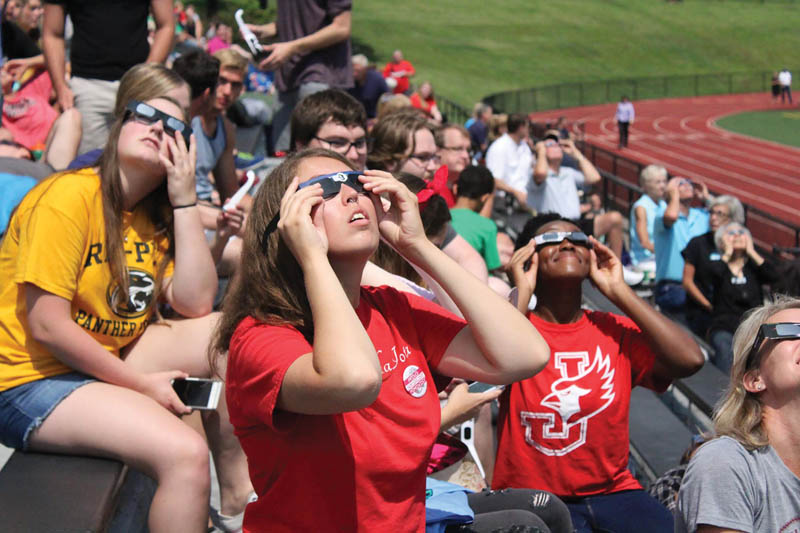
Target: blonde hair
231,59
738,415
651,172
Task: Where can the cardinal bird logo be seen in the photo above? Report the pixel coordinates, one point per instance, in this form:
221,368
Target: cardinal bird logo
573,401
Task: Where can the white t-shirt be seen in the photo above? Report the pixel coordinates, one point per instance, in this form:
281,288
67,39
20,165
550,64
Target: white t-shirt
510,161
558,193
785,78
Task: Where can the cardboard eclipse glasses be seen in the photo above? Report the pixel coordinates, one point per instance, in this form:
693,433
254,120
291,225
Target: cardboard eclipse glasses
148,114
331,185
555,237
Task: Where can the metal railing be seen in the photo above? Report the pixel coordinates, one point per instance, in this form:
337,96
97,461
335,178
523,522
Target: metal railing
606,91
453,112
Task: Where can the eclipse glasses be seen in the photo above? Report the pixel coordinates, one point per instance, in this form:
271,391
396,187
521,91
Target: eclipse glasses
555,237
331,185
147,114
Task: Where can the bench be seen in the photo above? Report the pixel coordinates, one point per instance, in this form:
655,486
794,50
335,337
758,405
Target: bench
658,438
42,492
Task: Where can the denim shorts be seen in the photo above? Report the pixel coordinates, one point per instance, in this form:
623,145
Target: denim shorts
25,407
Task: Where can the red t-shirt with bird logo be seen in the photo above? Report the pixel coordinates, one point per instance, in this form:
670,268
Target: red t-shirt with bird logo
565,430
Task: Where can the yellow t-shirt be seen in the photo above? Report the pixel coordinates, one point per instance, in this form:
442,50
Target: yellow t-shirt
56,241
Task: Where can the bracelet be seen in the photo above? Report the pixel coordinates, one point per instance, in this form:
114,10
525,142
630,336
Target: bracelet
174,207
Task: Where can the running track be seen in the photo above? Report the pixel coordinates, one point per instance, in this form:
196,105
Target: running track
681,135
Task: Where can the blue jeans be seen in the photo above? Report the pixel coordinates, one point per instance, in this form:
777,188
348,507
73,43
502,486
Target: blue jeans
25,407
722,342
620,512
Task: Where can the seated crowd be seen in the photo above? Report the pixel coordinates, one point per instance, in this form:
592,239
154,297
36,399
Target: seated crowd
389,260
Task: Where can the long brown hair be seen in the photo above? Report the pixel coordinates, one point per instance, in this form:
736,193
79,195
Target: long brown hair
142,82
269,283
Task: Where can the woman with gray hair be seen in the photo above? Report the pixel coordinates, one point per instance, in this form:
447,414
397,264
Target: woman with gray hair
699,255
736,281
653,180
747,479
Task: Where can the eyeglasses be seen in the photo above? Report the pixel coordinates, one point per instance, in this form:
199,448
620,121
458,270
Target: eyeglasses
424,159
777,331
555,237
720,213
342,146
736,232
456,148
684,181
149,115
331,185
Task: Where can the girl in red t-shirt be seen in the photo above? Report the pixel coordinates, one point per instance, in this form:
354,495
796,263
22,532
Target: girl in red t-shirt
566,429
424,100
329,383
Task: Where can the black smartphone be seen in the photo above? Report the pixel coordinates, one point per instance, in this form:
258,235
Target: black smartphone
477,386
198,393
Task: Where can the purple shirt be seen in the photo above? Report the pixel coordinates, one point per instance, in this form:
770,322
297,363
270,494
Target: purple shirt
625,112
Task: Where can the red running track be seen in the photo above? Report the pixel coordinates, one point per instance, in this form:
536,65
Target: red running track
682,135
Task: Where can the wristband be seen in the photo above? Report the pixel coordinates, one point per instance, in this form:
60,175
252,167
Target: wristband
174,207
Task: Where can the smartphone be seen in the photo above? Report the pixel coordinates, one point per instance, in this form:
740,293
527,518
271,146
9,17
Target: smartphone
477,386
198,393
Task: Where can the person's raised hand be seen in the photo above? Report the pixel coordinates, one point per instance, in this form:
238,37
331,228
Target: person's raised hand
541,149
230,222
568,147
702,192
524,281
296,227
605,268
400,225
279,53
179,161
464,405
158,386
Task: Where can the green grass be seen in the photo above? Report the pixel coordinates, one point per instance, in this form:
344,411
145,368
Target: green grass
472,48
778,126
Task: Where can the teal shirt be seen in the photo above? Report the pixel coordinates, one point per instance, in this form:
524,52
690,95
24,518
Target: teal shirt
480,232
670,242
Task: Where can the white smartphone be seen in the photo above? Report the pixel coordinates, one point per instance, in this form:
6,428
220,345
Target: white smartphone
477,386
198,393
234,200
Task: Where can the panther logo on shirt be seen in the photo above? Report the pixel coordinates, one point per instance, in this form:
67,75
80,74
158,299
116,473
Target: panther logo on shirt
141,288
585,389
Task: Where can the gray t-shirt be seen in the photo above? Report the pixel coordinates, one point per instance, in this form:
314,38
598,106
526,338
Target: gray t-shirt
558,193
729,487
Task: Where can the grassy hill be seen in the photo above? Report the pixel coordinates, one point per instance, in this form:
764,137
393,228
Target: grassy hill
471,48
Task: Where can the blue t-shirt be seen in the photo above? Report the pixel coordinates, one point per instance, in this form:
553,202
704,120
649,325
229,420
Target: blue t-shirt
638,252
12,189
670,242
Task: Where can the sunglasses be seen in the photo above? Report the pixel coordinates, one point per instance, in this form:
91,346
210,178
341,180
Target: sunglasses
149,115
555,237
778,331
331,185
